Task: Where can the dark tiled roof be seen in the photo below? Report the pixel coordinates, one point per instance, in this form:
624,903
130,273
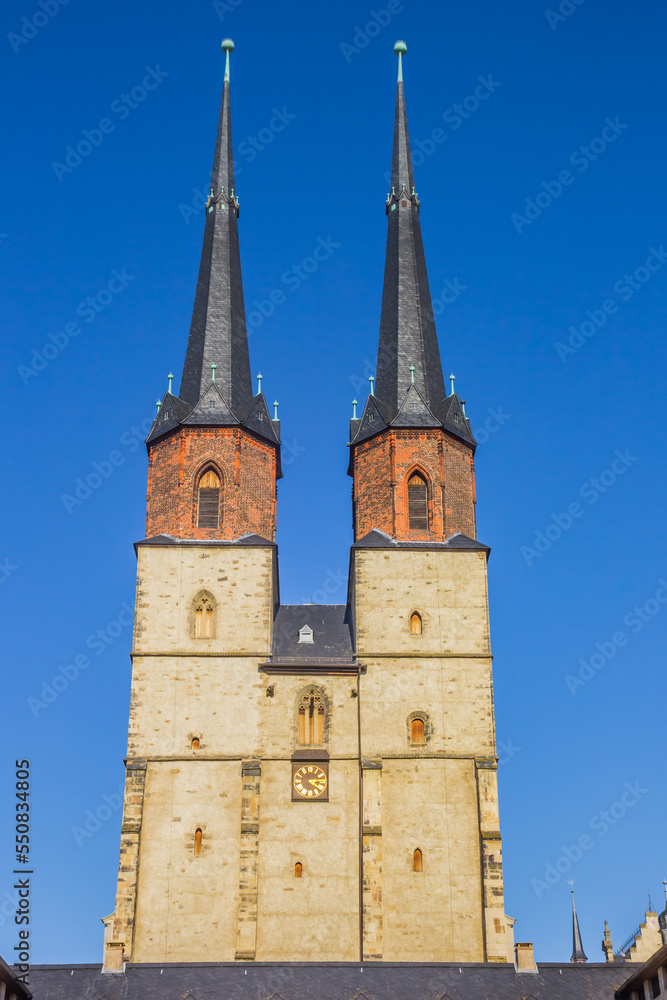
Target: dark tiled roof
315,981
251,540
213,410
379,540
332,636
11,983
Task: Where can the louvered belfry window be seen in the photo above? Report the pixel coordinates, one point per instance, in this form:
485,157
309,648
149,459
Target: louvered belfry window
208,501
417,503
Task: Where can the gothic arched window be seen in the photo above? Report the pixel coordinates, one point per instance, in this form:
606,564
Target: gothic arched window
204,611
417,502
208,501
417,861
311,718
298,870
198,839
415,623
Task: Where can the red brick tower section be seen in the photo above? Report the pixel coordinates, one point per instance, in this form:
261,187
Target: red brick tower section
246,467
383,466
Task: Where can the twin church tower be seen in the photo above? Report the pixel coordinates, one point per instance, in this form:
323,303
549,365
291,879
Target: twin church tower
310,783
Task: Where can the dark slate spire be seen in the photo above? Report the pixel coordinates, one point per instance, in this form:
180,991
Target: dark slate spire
578,953
218,329
216,388
407,326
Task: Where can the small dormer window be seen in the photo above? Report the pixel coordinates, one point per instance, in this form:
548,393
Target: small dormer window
371,418
260,415
211,404
415,407
306,634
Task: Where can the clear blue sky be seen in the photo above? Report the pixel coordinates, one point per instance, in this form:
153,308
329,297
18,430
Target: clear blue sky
560,415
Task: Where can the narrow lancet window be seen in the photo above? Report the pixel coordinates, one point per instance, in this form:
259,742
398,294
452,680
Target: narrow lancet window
208,501
198,836
415,623
195,743
417,861
298,870
417,503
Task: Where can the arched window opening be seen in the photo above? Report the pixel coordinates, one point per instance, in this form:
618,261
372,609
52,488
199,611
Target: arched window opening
198,836
195,743
417,861
417,502
298,870
417,731
311,719
415,623
208,501
204,618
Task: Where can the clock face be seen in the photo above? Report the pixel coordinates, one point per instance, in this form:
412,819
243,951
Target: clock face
309,782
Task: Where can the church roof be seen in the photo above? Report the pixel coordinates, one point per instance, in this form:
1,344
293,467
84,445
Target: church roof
216,387
322,981
331,634
376,539
409,389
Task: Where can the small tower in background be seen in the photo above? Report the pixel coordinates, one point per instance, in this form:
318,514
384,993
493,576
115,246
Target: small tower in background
578,953
607,946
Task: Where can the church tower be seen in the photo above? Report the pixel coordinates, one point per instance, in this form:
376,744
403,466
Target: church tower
419,595
309,783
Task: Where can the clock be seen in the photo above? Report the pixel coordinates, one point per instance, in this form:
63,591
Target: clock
310,781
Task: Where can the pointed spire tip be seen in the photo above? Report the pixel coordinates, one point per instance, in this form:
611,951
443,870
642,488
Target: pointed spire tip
227,47
400,48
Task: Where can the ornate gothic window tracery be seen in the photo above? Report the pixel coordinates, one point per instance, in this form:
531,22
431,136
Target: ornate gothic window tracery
204,612
311,718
